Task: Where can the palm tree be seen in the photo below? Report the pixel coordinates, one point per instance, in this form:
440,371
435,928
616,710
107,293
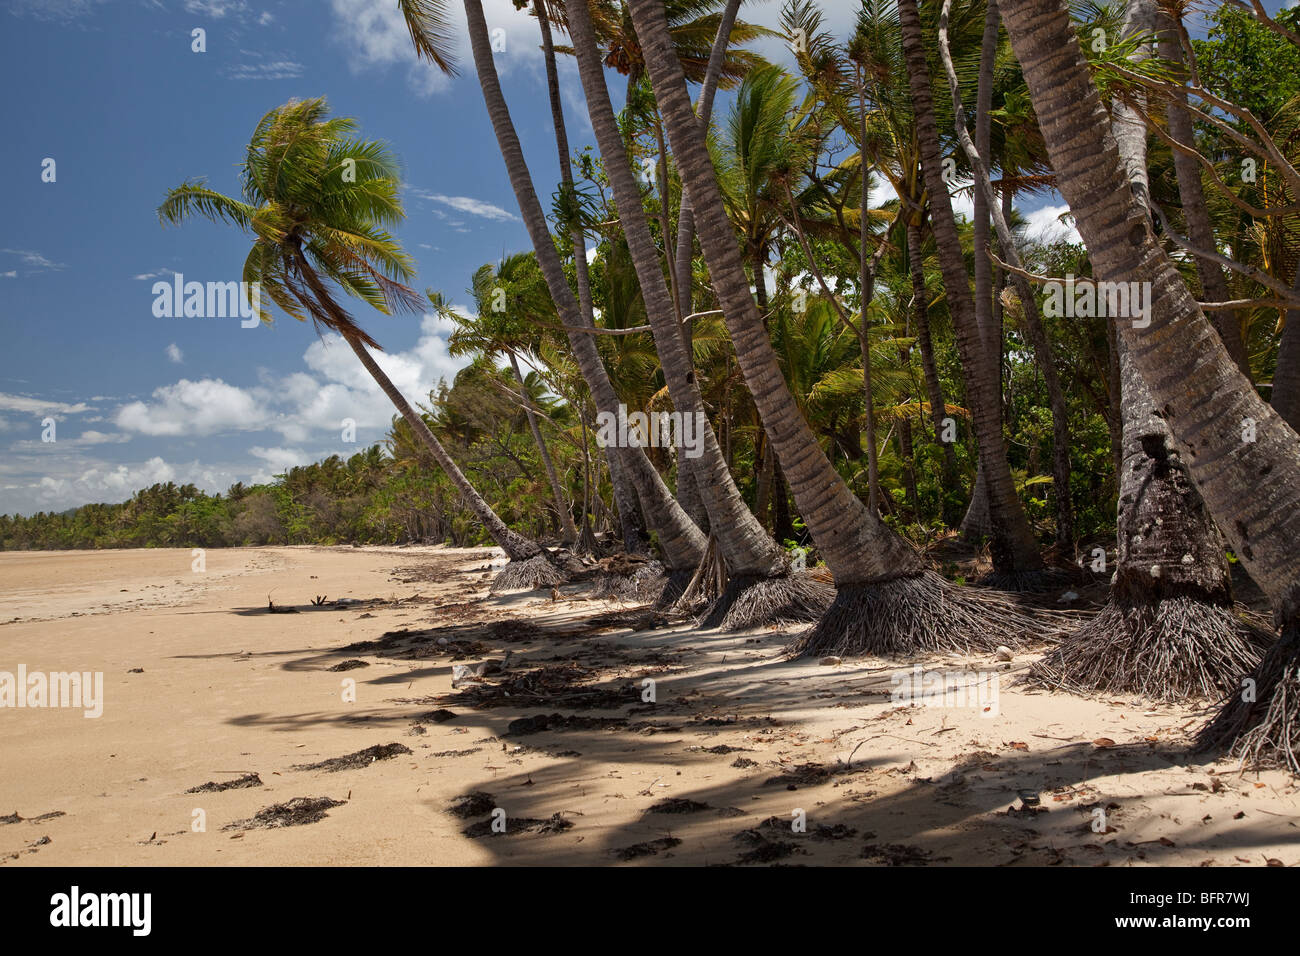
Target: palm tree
761,587
682,542
1251,488
886,600
1013,547
318,202
509,331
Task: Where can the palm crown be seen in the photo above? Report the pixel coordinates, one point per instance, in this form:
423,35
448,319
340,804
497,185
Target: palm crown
318,201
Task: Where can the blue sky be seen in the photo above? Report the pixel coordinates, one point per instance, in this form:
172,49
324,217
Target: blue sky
112,92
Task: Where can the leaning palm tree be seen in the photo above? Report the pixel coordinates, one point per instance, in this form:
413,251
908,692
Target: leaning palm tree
761,586
1250,487
318,202
887,600
682,543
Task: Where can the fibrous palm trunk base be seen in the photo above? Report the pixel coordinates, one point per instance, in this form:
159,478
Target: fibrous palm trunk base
747,601
539,571
1034,581
913,615
1172,649
630,578
1259,723
675,586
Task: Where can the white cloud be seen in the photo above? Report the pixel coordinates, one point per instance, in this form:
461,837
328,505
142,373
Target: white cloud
145,276
53,9
376,37
34,260
174,353
205,407
470,206
259,68
36,406
11,274
216,9
1045,225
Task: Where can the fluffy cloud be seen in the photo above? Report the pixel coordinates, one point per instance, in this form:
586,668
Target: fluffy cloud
204,407
376,37
175,354
1045,224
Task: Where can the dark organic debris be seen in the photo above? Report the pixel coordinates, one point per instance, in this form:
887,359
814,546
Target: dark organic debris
513,631
524,726
247,780
15,818
900,854
456,753
556,685
555,823
648,848
472,804
441,715
744,763
349,665
355,761
678,805
764,848
809,774
297,812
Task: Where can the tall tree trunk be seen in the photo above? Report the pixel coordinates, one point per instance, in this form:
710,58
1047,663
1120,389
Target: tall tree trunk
682,543
568,531
1214,284
516,546
930,371
685,218
1251,488
881,577
625,496
1033,326
1013,547
866,286
1285,397
748,552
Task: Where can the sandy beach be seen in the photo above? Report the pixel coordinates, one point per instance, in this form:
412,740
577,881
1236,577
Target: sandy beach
741,756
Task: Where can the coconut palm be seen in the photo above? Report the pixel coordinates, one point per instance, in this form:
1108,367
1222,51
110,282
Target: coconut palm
1251,487
761,587
1013,547
318,201
886,600
681,541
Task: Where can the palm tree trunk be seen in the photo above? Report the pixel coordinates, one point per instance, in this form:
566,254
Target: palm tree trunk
625,496
685,218
886,600
930,371
1251,488
1033,326
516,546
1013,547
1214,285
568,530
682,543
1285,397
748,552
866,286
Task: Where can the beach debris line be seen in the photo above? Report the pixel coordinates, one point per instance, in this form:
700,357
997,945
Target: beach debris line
242,783
297,812
358,760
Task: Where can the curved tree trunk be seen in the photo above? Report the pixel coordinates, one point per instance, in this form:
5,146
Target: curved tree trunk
682,543
685,218
516,546
625,497
1034,330
1285,397
933,387
748,552
1013,547
568,530
1251,488
1214,285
